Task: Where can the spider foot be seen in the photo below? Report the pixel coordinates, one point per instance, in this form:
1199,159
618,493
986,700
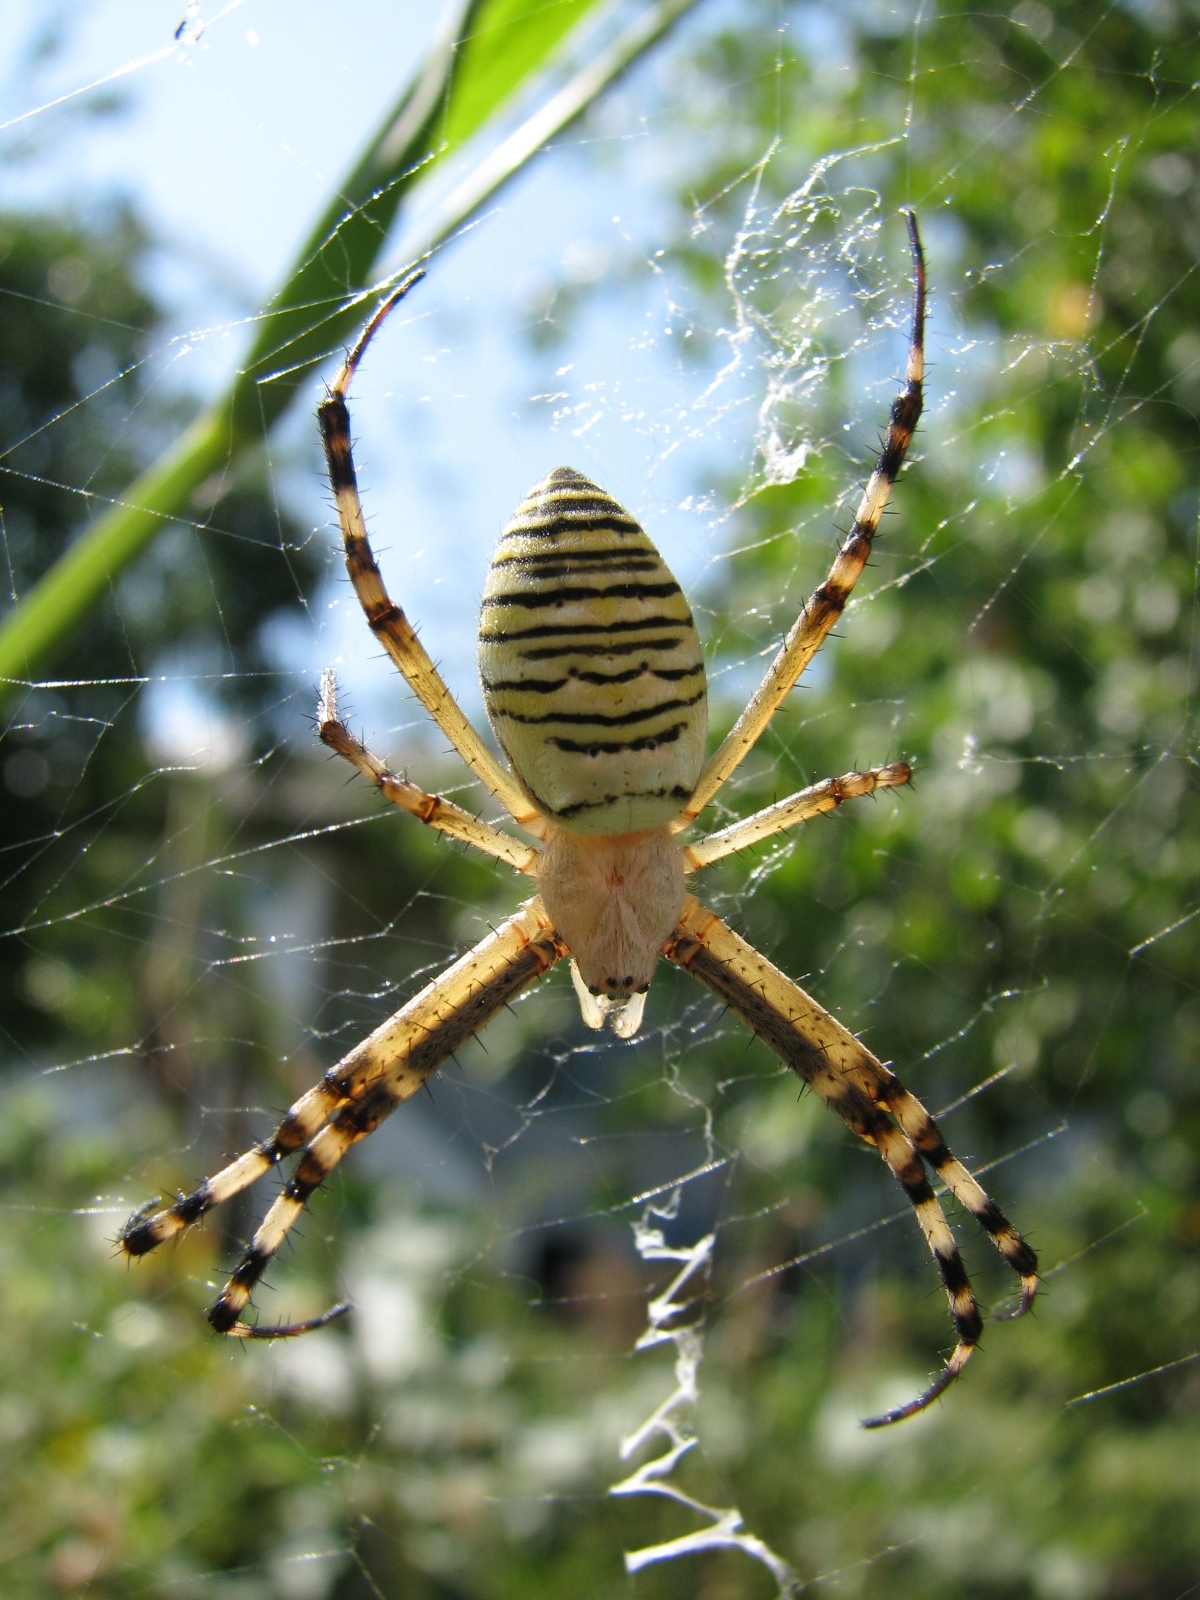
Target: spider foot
1029,1289
135,1237
149,1226
927,1396
238,1329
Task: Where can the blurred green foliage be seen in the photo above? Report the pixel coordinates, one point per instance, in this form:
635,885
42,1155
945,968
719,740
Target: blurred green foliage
1030,642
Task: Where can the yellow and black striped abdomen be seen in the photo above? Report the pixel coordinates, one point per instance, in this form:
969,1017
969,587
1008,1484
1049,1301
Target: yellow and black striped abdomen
592,670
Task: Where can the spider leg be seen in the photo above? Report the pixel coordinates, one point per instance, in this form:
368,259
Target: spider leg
429,808
403,1051
320,1157
868,1096
827,602
970,1194
799,807
404,1074
385,618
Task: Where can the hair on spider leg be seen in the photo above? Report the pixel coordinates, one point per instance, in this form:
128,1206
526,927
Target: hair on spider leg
291,1330
342,382
148,1208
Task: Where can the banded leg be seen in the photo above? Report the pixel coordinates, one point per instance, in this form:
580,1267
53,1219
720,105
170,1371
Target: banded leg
901,1156
868,1096
320,1157
877,1083
415,1041
827,602
385,618
429,808
968,1191
799,807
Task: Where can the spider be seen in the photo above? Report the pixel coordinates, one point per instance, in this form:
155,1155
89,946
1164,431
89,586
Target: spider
594,684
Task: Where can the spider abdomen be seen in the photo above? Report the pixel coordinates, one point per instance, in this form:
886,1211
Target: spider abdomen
592,670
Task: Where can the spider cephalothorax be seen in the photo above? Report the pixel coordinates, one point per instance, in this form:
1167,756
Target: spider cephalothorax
594,682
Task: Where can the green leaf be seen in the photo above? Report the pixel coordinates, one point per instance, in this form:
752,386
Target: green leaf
509,41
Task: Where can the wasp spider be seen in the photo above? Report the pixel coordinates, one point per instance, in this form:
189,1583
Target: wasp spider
594,683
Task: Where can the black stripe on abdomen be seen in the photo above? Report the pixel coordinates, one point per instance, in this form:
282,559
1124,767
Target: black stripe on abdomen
556,558
535,599
598,719
551,685
540,527
557,652
612,747
565,630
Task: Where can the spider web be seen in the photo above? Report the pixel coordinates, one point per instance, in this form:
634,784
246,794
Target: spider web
587,1274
